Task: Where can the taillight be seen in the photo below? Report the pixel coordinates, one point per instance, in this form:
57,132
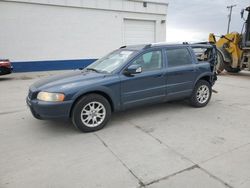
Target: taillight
5,63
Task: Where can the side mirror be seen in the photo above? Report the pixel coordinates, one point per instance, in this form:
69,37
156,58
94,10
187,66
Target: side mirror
133,69
242,13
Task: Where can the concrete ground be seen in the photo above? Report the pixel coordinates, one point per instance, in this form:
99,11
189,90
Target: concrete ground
167,145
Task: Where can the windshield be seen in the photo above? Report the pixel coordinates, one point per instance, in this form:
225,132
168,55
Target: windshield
110,62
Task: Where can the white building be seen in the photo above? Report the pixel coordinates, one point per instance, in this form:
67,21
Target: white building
61,34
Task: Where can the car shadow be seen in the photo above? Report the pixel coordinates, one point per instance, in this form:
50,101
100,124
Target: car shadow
148,111
59,127
6,78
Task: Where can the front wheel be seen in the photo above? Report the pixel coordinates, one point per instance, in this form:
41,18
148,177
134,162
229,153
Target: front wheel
91,113
201,94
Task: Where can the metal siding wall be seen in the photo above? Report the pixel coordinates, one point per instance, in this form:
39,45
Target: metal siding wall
43,33
153,6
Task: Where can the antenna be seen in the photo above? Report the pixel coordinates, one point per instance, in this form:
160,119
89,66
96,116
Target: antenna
229,16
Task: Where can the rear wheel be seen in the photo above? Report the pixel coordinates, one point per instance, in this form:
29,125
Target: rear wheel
91,113
220,63
201,94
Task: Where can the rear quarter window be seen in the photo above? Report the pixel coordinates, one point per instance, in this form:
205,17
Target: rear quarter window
202,54
178,57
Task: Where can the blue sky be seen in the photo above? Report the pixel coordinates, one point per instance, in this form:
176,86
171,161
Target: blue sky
193,20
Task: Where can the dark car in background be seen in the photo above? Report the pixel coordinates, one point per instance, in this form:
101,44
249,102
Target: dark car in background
5,67
127,77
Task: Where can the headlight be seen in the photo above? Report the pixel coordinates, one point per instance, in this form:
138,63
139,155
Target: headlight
50,97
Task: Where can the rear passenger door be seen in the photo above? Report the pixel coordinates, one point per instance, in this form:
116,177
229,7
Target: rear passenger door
181,72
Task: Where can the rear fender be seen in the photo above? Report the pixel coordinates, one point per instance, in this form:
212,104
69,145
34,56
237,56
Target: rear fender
210,77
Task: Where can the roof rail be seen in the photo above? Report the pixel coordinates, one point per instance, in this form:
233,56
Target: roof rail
185,43
123,47
147,46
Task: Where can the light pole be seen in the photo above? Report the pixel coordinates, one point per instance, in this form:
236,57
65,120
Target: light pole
229,16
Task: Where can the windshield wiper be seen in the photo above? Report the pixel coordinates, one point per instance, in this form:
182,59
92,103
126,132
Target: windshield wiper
95,70
98,71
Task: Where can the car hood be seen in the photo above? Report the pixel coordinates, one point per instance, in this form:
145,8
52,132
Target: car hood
70,78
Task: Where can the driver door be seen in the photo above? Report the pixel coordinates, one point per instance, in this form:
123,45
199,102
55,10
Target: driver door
147,86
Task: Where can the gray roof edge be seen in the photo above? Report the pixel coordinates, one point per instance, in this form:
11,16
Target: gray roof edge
162,2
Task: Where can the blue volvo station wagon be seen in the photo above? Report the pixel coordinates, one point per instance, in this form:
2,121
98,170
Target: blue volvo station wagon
127,77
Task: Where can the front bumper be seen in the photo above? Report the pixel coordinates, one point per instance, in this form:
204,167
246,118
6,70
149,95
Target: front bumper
49,110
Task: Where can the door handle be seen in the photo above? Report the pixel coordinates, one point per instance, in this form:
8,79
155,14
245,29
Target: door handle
191,70
158,75
178,73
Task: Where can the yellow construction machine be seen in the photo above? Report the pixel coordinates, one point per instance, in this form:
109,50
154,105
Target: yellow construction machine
233,49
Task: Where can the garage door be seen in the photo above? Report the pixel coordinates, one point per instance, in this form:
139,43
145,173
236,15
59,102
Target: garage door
139,31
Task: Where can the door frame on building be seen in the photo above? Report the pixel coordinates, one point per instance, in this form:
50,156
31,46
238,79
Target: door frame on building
136,19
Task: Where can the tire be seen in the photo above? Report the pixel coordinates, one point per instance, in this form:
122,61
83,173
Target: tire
91,113
220,63
231,70
199,99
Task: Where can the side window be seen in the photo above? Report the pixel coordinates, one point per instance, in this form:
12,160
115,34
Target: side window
203,54
178,57
149,61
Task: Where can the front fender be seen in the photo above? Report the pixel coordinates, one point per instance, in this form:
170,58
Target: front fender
112,93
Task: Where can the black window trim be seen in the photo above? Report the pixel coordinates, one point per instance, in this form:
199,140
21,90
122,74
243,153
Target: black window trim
144,52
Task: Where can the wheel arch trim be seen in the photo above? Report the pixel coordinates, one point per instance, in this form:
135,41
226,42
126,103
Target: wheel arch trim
205,76
101,92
